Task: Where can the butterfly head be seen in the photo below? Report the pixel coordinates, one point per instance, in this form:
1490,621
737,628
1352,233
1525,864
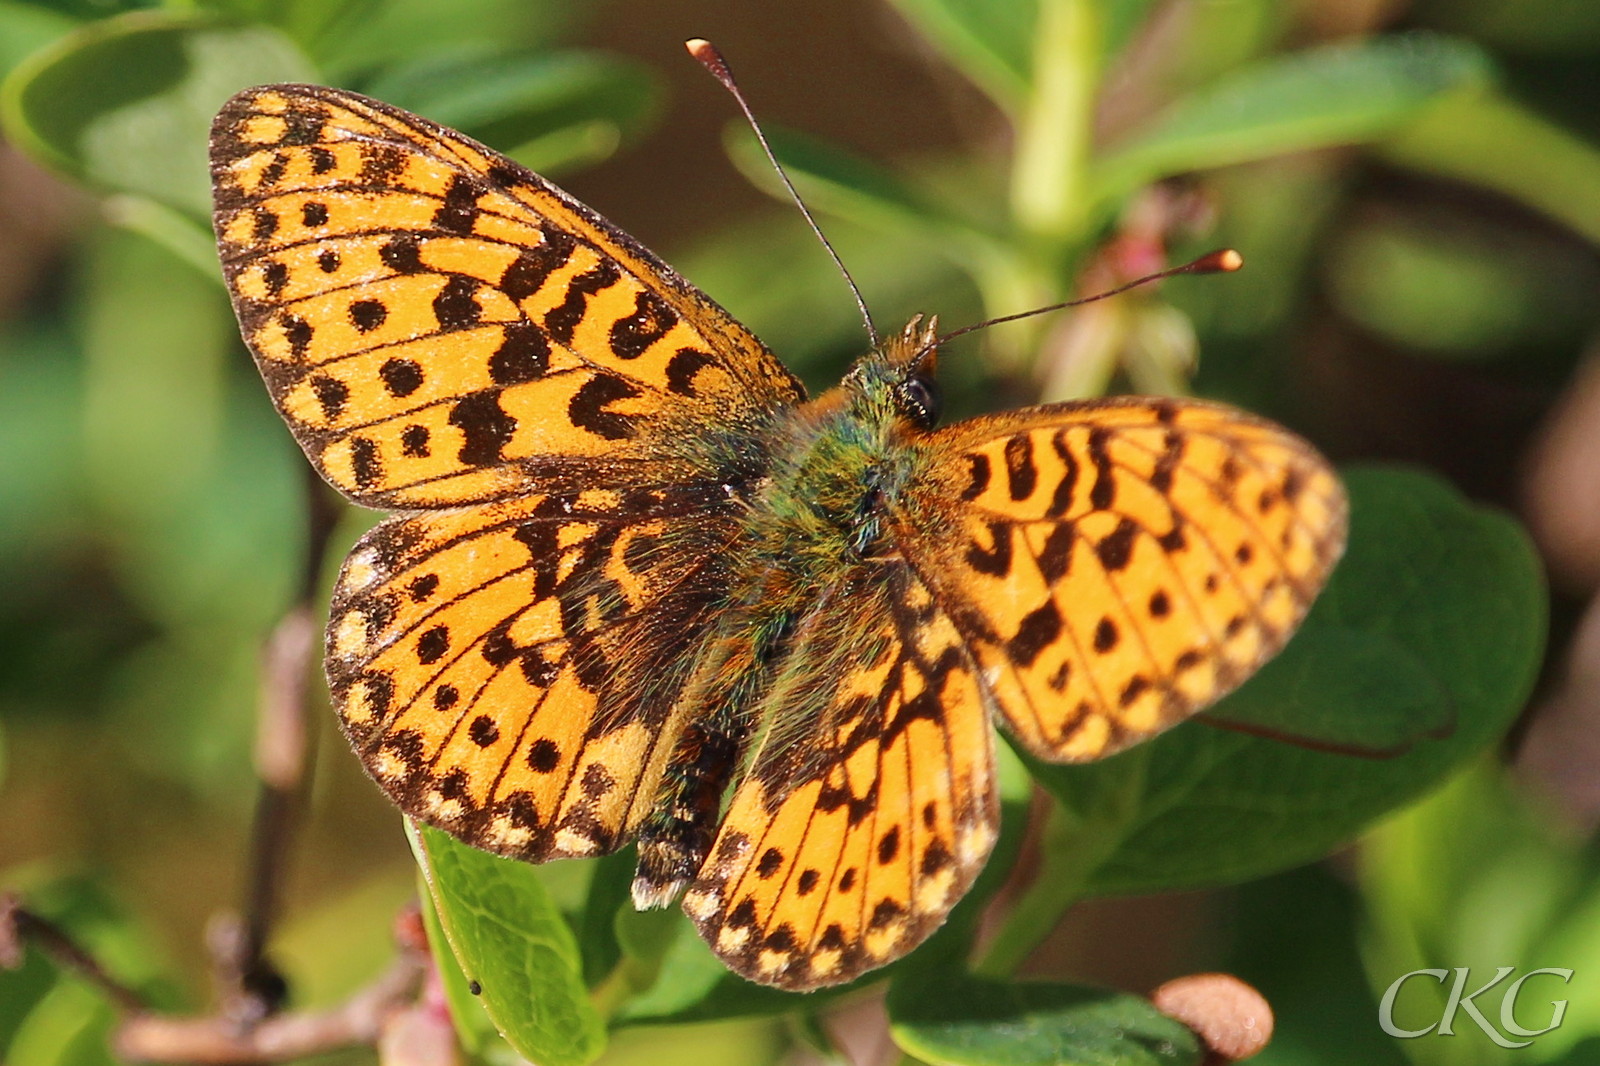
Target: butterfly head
898,378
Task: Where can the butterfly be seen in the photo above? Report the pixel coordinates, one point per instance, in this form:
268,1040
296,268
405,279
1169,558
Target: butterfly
635,586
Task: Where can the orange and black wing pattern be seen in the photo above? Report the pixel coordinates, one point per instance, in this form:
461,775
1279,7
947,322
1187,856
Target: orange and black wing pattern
868,804
1117,566
505,672
440,326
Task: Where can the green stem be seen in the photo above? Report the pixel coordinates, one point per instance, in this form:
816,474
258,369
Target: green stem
1054,129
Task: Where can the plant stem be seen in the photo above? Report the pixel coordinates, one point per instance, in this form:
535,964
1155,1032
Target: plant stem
1054,129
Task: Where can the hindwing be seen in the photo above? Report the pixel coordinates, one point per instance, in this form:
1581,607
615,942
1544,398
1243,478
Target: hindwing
504,672
868,805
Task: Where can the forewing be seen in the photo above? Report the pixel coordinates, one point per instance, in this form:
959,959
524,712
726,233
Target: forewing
438,324
869,805
1120,565
504,671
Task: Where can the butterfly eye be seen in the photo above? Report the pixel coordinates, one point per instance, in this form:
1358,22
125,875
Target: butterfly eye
920,400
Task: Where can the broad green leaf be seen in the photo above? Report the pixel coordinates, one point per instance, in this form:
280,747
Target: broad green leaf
474,1029
508,935
1334,95
25,28
1454,588
1347,690
125,104
547,111
990,41
968,1021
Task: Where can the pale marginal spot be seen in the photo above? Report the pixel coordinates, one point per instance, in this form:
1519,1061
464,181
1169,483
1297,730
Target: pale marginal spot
879,942
442,807
357,710
933,891
1088,738
359,570
389,766
572,842
771,963
730,939
505,832
252,283
701,904
350,634
973,843
826,963
241,230
1144,715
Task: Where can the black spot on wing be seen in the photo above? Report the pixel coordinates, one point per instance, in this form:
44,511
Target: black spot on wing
459,210
562,320
1022,476
456,306
652,318
485,427
589,407
682,367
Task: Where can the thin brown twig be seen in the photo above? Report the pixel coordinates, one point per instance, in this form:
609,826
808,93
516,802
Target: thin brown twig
358,1021
19,926
251,986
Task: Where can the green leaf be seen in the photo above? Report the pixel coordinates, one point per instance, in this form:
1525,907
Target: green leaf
1339,94
508,935
990,41
1501,145
25,28
967,1021
547,111
473,1027
125,104
306,21
1452,590
1360,692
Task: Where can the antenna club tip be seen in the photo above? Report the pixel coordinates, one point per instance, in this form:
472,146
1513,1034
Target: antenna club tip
1221,261
705,53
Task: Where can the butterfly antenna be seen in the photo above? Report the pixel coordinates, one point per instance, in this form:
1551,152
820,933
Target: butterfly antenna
1221,261
706,54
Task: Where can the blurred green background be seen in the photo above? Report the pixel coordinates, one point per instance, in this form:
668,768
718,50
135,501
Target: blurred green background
1415,187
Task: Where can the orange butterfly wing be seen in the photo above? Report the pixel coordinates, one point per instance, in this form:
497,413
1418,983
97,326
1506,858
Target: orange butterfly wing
438,325
868,807
1117,566
507,672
